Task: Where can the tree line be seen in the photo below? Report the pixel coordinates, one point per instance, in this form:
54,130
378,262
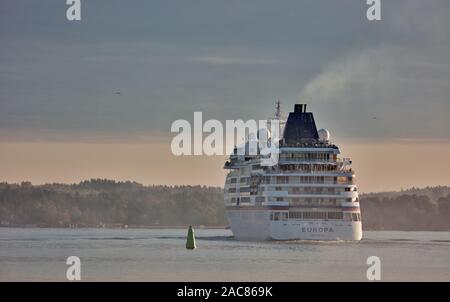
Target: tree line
101,202
107,203
406,212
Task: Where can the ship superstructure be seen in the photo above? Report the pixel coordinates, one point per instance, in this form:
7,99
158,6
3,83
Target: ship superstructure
309,194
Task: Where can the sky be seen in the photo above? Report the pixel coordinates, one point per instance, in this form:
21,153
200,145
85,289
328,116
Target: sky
382,88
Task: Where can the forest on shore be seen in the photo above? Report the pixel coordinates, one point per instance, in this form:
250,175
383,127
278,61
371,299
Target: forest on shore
107,203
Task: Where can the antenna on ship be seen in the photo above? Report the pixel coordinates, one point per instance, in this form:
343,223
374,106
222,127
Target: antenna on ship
279,115
278,109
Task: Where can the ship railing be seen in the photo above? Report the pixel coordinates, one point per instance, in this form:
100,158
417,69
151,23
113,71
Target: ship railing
300,160
309,160
308,145
309,171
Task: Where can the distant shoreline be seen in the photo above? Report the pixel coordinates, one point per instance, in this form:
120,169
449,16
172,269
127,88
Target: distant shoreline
102,203
112,227
179,227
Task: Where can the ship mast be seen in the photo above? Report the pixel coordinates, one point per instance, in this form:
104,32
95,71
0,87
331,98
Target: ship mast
278,109
279,116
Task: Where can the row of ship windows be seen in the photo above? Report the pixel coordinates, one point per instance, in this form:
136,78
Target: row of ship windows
313,201
275,216
308,156
298,201
238,200
295,180
294,167
242,190
313,179
253,190
315,190
309,167
247,169
296,190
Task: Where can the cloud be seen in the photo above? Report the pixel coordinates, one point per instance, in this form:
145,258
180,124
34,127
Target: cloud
228,60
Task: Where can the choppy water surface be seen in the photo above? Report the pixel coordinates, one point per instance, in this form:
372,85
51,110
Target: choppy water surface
160,255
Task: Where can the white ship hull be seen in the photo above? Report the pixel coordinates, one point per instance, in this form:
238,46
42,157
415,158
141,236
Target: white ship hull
255,225
308,193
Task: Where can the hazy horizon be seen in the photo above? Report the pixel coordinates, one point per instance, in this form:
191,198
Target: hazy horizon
378,167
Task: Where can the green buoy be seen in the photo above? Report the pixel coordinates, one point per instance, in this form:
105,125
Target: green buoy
190,243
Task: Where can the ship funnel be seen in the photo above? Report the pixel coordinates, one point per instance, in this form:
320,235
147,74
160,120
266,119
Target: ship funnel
300,126
300,108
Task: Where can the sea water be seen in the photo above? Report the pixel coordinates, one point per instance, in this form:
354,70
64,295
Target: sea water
40,254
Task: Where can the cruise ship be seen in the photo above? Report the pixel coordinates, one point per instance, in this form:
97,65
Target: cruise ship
309,194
